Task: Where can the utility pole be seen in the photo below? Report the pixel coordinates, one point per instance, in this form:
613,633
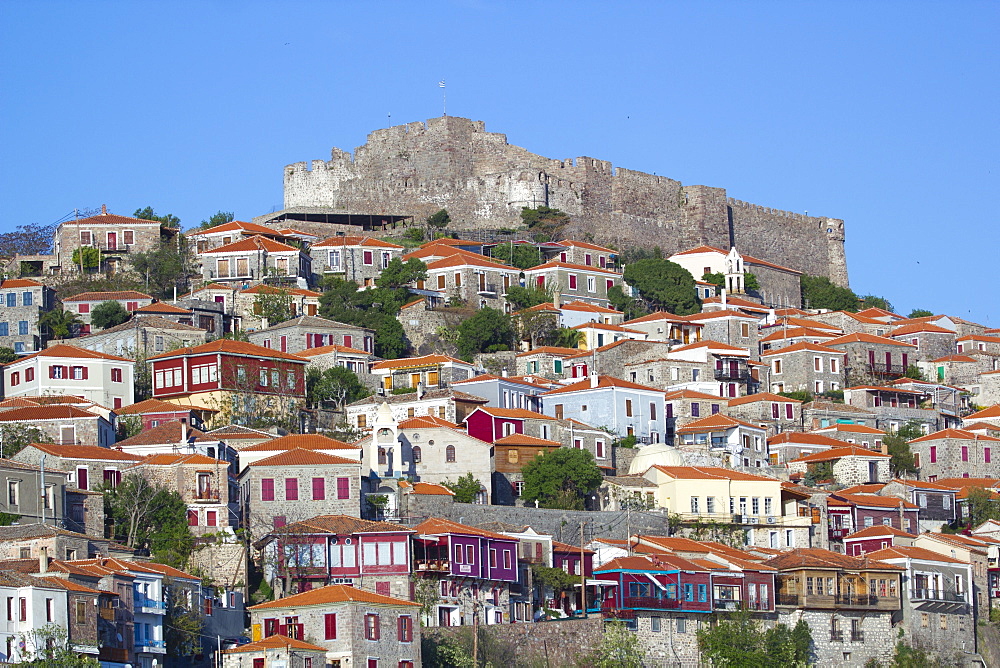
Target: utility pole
475,630
583,576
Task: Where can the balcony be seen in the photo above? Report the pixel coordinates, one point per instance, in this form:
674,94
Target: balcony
113,654
837,534
836,636
150,646
936,595
651,603
817,601
739,375
487,290
106,613
728,605
205,495
436,565
112,247
882,369
148,605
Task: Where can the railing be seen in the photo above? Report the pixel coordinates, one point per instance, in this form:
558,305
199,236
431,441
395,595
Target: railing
839,600
106,613
651,602
212,273
836,534
857,636
836,636
936,595
730,374
433,565
883,369
487,288
727,605
113,654
146,642
617,613
205,495
112,248
143,602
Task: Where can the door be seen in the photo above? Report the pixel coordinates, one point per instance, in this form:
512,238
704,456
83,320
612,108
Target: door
112,240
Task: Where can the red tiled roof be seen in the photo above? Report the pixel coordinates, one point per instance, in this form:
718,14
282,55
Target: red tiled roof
988,412
356,241
304,441
602,382
840,453
954,358
35,413
524,439
715,422
801,346
911,552
813,557
426,421
573,243
19,283
804,438
469,259
426,360
331,594
554,264
918,328
303,457
877,531
274,642
691,394
515,413
92,452
762,396
272,290
427,488
230,347
437,525
663,315
107,296
163,307
326,350
193,459
709,472
550,350
876,501
157,406
853,429
71,352
578,305
236,226
254,243
168,433
798,332
959,434
862,337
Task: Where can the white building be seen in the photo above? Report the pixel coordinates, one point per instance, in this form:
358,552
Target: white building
32,603
66,370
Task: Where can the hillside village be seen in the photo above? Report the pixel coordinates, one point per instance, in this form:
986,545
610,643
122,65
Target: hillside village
309,442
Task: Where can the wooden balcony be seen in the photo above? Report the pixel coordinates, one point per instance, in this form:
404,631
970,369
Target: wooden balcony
839,601
434,565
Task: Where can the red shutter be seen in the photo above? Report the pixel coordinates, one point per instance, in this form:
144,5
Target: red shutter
378,627
267,489
52,372
343,488
85,373
330,625
319,489
291,489
192,518
81,478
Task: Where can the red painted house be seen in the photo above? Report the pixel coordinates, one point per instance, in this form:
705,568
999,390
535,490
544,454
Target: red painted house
155,412
340,549
872,539
209,374
490,424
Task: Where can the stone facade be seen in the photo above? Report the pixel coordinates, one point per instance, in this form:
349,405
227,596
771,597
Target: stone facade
955,453
875,640
805,366
298,492
358,259
22,301
418,168
141,337
310,331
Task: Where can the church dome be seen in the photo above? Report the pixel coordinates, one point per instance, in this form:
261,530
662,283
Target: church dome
656,454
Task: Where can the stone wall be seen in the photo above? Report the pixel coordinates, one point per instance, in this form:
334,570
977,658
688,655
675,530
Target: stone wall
556,643
223,563
417,168
876,641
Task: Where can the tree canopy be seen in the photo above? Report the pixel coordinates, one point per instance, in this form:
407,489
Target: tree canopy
742,641
521,298
109,314
664,285
58,322
164,267
273,306
218,218
439,219
874,301
561,478
91,257
820,292
897,445
148,515
336,385
522,256
488,330
7,355
546,222
630,306
27,240
168,219
981,506
466,488
920,313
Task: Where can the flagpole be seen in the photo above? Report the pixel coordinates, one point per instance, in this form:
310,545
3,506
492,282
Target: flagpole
444,96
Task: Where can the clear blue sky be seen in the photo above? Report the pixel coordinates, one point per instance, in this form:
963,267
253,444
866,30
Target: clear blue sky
881,113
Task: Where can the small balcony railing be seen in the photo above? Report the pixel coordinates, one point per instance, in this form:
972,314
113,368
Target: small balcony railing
836,636
433,565
733,374
145,602
488,289
936,595
729,605
883,369
651,603
839,601
837,534
205,495
857,636
146,644
112,247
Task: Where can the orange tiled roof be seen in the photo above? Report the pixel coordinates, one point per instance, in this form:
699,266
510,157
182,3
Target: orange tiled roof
326,350
304,441
804,438
303,457
515,413
798,332
918,328
254,243
524,439
163,307
912,552
714,422
372,242
262,289
572,243
663,315
237,226
554,264
274,642
427,488
802,346
34,413
709,472
959,434
853,429
168,433
988,412
84,452
19,283
426,421
107,296
462,260
230,347
877,501
840,453
426,360
813,557
550,350
329,595
691,394
762,396
437,525
602,382
954,358
158,406
72,352
877,531
862,337
196,459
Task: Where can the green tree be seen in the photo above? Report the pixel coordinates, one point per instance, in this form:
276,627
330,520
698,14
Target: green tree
376,309
805,396
913,371
488,330
27,240
58,323
561,479
750,282
897,445
275,306
163,268
167,220
218,218
718,279
148,515
874,301
466,488
438,220
981,506
630,306
183,626
820,292
91,257
567,337
740,640
522,256
15,436
7,355
908,656
547,223
619,648
48,647
108,314
335,385
664,285
521,298
920,313
397,278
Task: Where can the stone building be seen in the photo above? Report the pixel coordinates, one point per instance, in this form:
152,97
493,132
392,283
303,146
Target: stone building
545,361
222,235
415,169
297,484
779,286
870,358
447,404
955,453
511,454
849,465
737,442
470,280
352,624
622,407
273,651
311,331
87,467
22,302
248,312
938,503
354,258
255,259
82,304
27,498
930,340
202,483
63,425
663,326
772,411
805,366
895,406
429,371
789,445
574,281
141,337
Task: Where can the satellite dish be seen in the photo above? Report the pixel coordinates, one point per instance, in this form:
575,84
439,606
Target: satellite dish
119,636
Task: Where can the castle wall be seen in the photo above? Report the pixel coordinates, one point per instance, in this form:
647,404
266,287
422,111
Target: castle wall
483,181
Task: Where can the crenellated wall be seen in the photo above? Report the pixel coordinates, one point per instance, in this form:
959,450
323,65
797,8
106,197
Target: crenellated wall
454,163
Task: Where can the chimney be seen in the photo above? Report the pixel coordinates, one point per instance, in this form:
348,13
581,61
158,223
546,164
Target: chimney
556,298
43,559
723,297
594,380
104,209
420,390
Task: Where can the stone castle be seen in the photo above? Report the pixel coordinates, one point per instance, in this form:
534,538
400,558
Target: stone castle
483,182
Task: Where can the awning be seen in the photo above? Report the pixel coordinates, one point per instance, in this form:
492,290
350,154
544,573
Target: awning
655,581
599,583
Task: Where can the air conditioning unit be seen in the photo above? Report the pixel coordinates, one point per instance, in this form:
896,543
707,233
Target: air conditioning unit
380,391
750,519
772,520
738,519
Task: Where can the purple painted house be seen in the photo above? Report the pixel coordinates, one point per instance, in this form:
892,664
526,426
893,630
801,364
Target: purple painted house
474,569
659,583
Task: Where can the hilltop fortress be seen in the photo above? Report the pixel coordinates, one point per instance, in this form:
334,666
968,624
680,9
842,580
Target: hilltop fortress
483,182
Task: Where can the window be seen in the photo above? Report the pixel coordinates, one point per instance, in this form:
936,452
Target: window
933,454
15,378
330,626
116,375
13,492
372,630
291,489
776,366
652,410
343,488
416,454
695,409
4,331
22,328
744,329
11,299
263,377
572,281
628,407
405,628
965,453
267,489
81,612
24,609
694,504
591,284
654,624
710,504
450,453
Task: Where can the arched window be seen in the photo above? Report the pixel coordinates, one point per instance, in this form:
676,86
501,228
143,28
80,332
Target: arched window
449,453
416,454
381,456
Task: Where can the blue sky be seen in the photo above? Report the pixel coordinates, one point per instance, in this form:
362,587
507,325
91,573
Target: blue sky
880,113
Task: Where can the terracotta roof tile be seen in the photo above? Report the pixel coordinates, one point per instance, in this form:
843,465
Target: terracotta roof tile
840,453
340,525
303,441
762,396
862,337
230,347
958,434
236,226
158,406
427,488
163,307
91,452
710,472
34,413
254,243
603,382
329,595
274,642
194,459
272,290
912,552
437,525
550,350
715,422
168,433
802,346
117,295
72,352
804,438
426,360
554,264
372,242
302,457
19,283
524,439
877,531
515,413
327,350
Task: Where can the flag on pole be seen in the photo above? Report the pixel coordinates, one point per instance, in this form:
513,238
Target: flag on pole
440,84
